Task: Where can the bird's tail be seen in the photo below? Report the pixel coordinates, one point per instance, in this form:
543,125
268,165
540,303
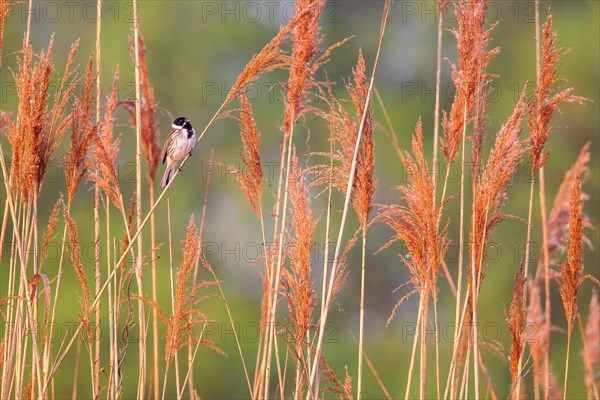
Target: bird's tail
171,167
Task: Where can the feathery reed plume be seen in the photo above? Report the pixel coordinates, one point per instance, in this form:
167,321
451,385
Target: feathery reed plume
344,132
50,230
305,41
348,386
106,150
416,224
492,185
591,351
364,185
516,322
76,259
571,272
299,284
38,129
251,182
489,197
558,219
305,38
545,104
150,135
541,110
270,58
5,6
185,314
468,76
82,135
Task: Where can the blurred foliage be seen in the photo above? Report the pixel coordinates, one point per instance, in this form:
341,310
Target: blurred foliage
195,50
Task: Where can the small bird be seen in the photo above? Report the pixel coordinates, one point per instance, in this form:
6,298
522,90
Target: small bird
181,141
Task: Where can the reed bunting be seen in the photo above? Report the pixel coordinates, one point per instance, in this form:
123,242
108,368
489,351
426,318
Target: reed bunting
180,142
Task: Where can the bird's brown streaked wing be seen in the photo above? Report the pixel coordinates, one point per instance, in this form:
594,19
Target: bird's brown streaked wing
168,144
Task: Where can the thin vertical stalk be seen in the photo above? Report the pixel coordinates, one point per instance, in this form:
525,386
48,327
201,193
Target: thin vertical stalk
567,361
436,339
97,247
425,299
362,312
332,277
29,13
272,312
155,350
24,283
76,371
414,351
436,113
461,245
526,264
542,195
138,179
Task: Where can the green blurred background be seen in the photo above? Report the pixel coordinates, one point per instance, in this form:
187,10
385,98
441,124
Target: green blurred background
195,49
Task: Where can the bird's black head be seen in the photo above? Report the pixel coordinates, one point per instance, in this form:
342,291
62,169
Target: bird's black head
179,122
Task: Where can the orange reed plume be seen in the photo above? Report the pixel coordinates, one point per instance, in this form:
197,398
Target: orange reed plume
186,315
416,223
516,322
270,58
106,149
468,76
250,179
298,280
83,131
149,132
38,129
5,6
491,188
571,271
344,132
544,103
77,260
558,220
